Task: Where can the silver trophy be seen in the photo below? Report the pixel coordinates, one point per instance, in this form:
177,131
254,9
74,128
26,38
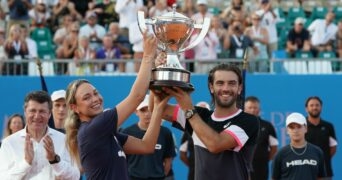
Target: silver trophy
172,30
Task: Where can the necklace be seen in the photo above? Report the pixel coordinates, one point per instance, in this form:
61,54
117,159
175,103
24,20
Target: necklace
299,154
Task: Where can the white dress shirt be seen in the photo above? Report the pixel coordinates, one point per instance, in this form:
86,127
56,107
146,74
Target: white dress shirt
14,166
127,10
269,22
199,18
32,48
206,49
321,32
87,30
135,37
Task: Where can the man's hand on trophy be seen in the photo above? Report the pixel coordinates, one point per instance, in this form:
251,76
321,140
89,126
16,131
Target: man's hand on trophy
182,97
150,46
161,59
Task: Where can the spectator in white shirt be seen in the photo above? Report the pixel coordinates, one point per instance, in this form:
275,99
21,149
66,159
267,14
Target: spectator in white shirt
3,11
202,7
269,21
31,44
339,40
323,33
259,36
159,9
3,55
127,10
205,50
94,31
136,39
37,151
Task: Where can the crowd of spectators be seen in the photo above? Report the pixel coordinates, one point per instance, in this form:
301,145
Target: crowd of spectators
77,31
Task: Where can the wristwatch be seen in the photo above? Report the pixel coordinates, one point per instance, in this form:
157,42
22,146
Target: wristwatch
190,113
56,160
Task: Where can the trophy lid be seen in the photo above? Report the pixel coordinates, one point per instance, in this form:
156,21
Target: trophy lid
174,14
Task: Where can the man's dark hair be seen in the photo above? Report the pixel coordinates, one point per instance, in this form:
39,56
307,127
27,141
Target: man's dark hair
252,99
38,96
223,67
313,97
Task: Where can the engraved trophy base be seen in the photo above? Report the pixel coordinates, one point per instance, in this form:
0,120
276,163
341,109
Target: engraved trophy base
171,77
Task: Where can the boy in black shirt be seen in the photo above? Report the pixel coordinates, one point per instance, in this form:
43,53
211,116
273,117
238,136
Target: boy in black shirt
299,160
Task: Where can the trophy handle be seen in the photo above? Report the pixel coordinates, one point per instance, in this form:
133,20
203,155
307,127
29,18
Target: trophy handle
205,28
142,21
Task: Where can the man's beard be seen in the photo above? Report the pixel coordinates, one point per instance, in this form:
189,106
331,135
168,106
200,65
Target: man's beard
315,114
226,104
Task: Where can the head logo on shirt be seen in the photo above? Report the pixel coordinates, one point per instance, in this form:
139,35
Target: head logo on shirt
301,162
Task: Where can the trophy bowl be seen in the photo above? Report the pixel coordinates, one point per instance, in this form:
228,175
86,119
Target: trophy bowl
172,31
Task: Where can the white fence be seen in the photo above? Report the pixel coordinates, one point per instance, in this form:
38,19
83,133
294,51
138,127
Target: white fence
93,67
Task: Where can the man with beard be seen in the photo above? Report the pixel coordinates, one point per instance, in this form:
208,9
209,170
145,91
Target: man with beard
224,138
320,132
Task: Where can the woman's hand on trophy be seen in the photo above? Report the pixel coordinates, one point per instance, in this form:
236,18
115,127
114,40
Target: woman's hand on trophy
160,100
161,59
150,46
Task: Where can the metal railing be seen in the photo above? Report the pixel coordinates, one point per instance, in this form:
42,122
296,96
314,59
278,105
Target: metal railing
100,67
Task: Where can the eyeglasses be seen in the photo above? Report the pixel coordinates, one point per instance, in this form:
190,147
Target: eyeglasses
75,31
256,19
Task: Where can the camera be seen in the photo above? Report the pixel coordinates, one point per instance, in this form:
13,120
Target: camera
237,28
238,7
264,1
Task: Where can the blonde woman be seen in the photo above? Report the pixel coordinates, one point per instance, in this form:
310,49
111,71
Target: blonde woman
83,54
92,136
16,50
